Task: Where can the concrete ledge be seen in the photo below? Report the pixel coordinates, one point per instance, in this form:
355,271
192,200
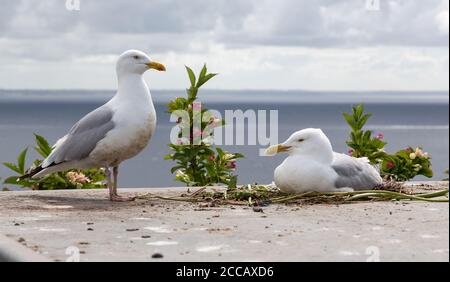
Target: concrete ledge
85,226
11,251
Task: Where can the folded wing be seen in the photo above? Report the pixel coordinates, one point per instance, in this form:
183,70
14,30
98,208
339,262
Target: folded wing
82,138
356,173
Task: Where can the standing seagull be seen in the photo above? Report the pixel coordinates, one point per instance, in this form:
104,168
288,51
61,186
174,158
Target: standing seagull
313,166
113,133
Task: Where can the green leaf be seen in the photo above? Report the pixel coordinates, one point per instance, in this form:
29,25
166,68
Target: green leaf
43,147
203,72
191,76
13,167
176,168
40,152
364,120
21,161
359,110
367,136
179,104
168,157
192,94
239,156
427,172
233,182
13,180
205,79
59,179
349,119
220,152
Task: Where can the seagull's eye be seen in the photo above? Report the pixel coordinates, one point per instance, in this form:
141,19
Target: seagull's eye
136,57
301,140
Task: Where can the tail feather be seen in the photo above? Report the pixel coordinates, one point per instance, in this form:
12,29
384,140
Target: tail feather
41,171
34,172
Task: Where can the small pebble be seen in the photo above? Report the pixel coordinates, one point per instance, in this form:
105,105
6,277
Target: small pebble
258,209
157,256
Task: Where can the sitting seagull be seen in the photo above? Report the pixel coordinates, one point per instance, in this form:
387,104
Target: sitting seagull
113,133
313,166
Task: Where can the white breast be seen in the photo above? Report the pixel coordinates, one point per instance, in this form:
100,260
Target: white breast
298,175
134,123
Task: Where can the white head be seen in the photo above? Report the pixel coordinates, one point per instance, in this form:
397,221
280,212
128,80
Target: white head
136,62
308,142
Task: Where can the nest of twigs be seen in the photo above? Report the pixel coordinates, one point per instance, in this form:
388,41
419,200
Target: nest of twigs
264,195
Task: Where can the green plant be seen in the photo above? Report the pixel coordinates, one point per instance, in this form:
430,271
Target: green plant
404,165
73,179
407,164
362,142
198,161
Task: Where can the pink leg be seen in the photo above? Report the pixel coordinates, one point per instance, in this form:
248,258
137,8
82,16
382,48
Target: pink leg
115,196
110,182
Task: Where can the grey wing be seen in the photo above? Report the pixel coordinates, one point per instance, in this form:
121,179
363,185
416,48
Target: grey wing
355,173
82,138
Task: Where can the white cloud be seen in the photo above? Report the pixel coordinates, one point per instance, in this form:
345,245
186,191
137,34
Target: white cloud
443,21
259,44
442,18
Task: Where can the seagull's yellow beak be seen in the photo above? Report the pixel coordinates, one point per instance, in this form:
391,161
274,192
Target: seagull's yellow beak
272,151
156,66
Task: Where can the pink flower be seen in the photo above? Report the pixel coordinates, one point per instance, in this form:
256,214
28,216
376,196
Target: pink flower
409,150
231,165
421,154
77,178
390,165
380,136
212,158
351,152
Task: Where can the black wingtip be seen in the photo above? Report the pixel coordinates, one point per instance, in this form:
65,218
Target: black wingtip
31,173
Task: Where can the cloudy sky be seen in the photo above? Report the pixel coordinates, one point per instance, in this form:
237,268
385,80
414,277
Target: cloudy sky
253,44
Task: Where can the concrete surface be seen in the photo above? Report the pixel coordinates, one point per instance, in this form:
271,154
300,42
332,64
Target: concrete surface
72,225
11,251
